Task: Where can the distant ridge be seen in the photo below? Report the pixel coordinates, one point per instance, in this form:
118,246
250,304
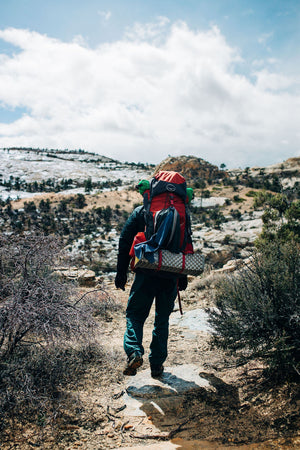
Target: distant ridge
92,157
288,168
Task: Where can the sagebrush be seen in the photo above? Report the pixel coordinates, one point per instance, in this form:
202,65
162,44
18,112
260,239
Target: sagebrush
258,310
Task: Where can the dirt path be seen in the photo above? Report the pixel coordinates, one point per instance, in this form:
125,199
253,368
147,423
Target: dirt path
254,419
263,416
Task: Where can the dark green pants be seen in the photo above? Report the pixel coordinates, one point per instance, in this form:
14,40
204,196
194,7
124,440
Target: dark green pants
143,291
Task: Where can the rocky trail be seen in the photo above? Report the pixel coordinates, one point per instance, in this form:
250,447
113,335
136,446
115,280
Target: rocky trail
202,401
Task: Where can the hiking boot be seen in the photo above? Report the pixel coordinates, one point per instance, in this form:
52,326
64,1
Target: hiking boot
157,371
134,361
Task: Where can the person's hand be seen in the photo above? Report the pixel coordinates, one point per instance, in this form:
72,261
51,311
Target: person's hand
120,280
182,283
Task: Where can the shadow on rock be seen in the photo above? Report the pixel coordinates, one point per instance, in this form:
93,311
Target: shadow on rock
168,399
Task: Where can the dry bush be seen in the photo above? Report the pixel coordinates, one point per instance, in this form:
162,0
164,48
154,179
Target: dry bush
34,302
41,317
34,379
100,303
208,279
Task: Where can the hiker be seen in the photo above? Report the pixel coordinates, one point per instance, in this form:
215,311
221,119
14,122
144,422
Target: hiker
147,285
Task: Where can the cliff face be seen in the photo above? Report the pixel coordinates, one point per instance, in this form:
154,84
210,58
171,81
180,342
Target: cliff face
191,168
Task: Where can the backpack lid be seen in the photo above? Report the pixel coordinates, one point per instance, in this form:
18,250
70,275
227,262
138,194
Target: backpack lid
168,182
170,177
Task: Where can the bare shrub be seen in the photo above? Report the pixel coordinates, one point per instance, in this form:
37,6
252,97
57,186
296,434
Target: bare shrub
34,379
100,303
33,301
208,280
40,319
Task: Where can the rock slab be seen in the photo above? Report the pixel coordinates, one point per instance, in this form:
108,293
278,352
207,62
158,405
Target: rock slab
148,396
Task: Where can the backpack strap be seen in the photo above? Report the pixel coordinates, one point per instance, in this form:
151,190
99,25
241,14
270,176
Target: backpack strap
146,201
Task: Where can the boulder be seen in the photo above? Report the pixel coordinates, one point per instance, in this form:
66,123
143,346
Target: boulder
218,257
231,266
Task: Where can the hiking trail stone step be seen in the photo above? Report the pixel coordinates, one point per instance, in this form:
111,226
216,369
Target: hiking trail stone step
146,396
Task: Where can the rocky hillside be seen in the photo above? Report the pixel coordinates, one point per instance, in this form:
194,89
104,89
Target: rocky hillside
287,171
86,199
191,168
290,167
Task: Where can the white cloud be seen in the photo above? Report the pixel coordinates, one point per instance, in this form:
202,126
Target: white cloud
163,89
273,81
105,15
265,38
153,32
263,63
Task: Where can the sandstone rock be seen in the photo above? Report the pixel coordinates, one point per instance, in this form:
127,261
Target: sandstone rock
83,276
148,396
196,319
210,202
164,399
218,256
231,266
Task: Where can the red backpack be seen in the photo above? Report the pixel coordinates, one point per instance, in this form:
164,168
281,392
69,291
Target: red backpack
167,197
167,219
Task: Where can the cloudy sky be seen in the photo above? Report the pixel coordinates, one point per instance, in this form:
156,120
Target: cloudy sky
139,80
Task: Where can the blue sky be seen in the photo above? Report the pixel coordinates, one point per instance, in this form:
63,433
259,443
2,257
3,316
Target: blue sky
241,22
246,69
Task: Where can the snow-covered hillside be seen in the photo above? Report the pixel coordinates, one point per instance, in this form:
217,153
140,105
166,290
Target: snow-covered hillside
225,225
33,165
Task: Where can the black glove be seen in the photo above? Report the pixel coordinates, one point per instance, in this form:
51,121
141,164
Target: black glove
182,283
120,280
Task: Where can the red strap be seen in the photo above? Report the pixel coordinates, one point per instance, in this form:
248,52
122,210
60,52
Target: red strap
183,263
159,260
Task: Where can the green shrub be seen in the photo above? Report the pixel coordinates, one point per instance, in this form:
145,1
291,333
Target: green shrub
258,310
281,219
250,194
236,214
238,199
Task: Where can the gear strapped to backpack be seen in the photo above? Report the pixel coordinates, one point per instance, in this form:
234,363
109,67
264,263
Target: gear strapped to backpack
166,244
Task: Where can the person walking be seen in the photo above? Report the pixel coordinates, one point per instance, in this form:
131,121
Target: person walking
147,286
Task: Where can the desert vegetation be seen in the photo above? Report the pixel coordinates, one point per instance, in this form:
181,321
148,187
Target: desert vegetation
258,308
66,218
53,185
258,311
47,332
